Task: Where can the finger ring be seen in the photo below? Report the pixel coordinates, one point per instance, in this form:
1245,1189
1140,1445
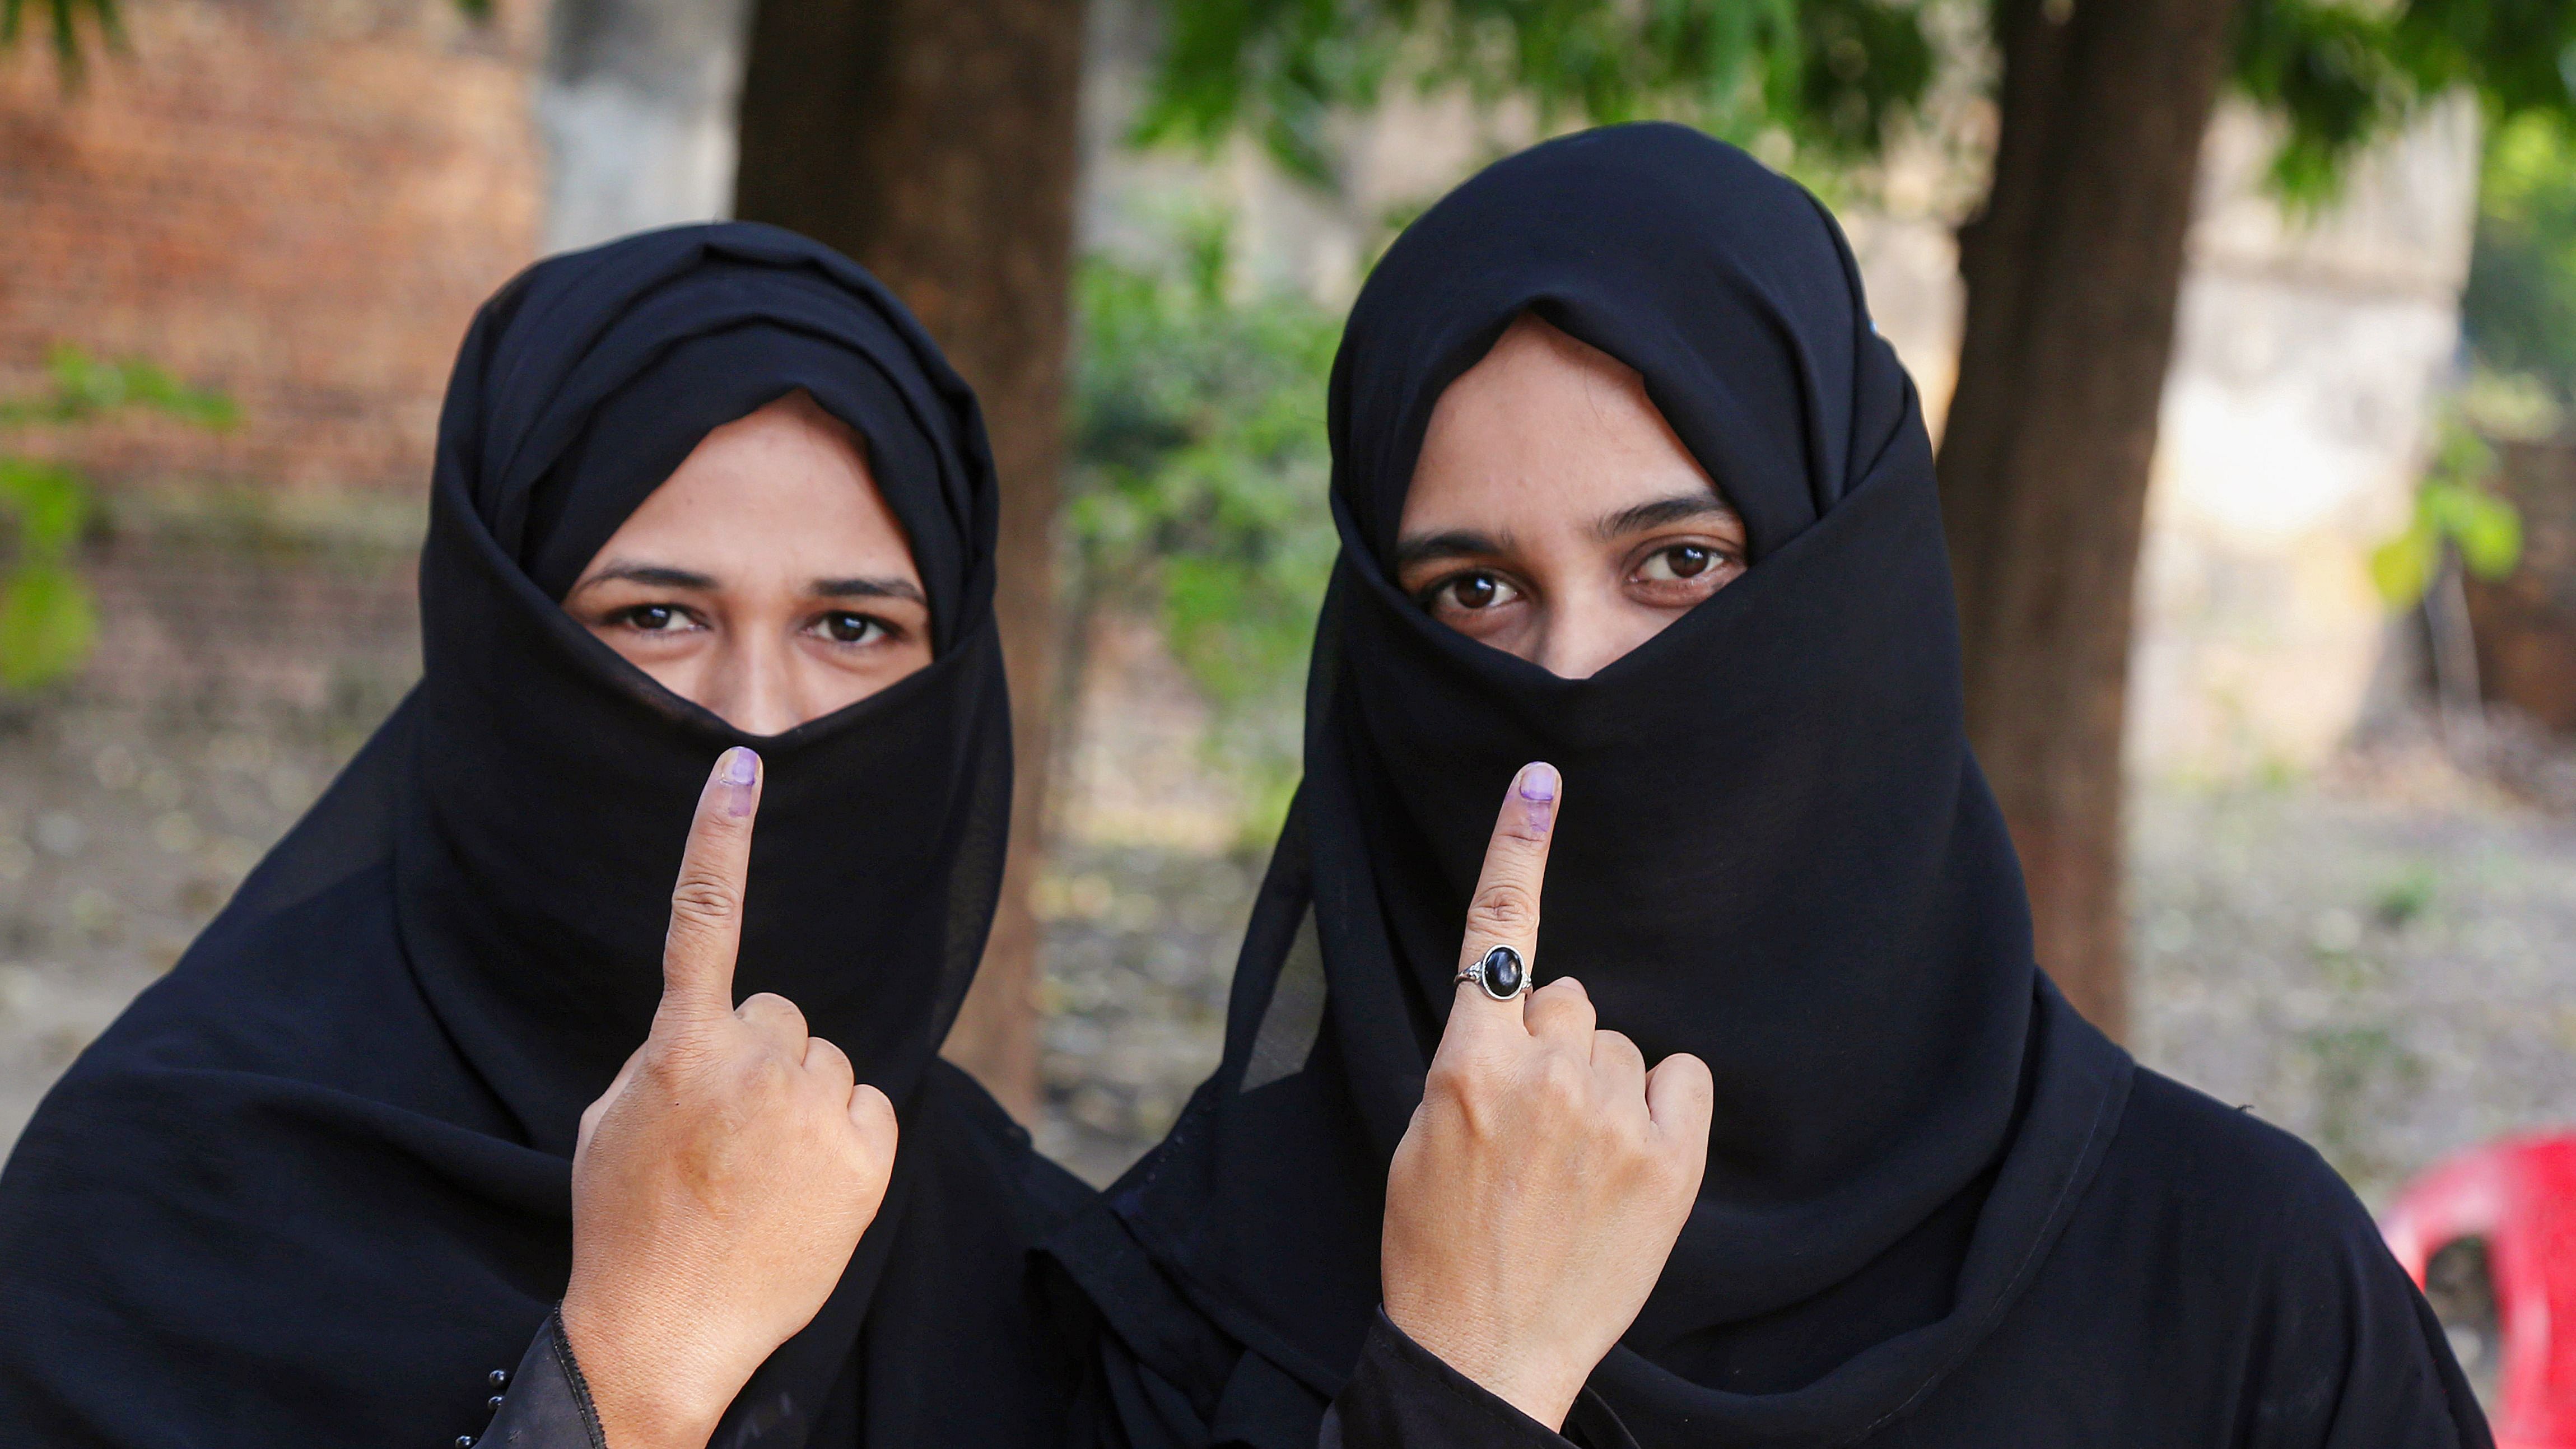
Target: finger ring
1499,973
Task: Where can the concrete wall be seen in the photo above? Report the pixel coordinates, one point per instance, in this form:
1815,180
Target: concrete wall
2312,357
637,106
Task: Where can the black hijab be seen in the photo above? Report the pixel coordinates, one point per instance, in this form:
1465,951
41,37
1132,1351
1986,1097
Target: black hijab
314,1185
1775,852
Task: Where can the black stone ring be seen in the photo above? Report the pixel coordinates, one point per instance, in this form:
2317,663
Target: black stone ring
1500,974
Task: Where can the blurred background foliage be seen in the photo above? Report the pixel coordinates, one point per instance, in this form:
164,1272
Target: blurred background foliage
63,20
1198,465
2343,74
1833,73
47,617
2456,507
1832,78
2519,311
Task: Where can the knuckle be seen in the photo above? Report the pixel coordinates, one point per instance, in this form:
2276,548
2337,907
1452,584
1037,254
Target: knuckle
669,1075
763,1074
1564,1083
1464,1092
832,1062
702,898
1451,1078
1503,908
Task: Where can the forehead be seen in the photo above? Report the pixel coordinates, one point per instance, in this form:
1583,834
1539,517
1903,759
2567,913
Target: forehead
786,488
1545,425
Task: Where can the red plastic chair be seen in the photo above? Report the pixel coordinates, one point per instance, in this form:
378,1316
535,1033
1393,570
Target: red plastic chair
2490,1235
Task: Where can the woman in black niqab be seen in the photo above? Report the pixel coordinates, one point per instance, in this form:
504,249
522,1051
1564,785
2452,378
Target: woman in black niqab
1939,1208
313,1187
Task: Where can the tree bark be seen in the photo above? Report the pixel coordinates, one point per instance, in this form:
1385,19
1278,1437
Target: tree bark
934,140
2073,269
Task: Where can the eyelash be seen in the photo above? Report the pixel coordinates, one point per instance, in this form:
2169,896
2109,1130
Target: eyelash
632,617
1429,596
872,630
883,632
1716,558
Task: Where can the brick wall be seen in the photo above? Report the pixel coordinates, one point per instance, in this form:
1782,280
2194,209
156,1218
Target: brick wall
300,203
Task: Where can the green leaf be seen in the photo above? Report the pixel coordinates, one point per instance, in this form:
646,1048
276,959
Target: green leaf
2402,568
47,624
2488,531
2455,506
85,386
49,503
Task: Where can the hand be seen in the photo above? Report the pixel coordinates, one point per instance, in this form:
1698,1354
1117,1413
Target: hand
1547,1174
723,1180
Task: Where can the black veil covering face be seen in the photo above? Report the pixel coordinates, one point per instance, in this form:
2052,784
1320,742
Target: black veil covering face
315,1184
1775,853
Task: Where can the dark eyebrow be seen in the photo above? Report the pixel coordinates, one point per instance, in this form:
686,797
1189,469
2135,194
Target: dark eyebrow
865,589
1456,543
1661,512
666,577
660,575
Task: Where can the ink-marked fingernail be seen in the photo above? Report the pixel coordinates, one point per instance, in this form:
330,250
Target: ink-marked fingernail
739,770
1538,792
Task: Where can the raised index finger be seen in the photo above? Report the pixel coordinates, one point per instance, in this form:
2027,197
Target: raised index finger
706,904
1504,911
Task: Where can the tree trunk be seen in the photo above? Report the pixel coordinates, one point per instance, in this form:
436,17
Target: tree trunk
934,140
2073,269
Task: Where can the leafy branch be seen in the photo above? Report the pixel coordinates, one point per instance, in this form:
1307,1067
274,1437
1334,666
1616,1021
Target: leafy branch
48,621
1832,73
2343,75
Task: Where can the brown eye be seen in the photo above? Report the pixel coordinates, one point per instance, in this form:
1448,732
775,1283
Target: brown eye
843,628
652,618
1477,591
1681,561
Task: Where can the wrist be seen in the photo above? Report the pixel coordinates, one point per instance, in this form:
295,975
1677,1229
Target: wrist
1539,1383
643,1397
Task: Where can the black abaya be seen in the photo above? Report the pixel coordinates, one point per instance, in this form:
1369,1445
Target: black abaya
313,1188
1939,1207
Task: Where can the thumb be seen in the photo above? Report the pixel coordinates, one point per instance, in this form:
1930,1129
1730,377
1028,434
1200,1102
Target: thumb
706,905
591,1114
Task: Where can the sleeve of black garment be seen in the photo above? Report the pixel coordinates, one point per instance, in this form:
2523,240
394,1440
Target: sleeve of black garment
2348,1355
1405,1397
548,1404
